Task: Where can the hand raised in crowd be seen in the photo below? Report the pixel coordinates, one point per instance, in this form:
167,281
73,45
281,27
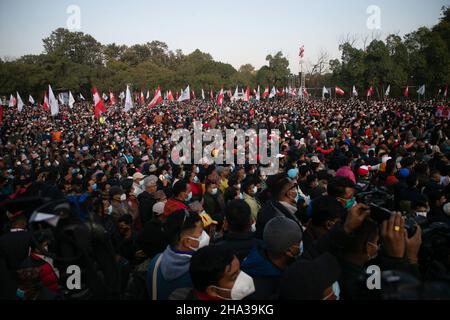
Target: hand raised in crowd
356,217
393,235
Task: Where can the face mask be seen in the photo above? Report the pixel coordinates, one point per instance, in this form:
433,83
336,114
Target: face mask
254,227
109,211
243,287
238,186
422,214
376,253
214,191
94,187
241,196
196,180
197,170
244,176
123,197
189,197
255,189
141,183
350,203
203,241
301,249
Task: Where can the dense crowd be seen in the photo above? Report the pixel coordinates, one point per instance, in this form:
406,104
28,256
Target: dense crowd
361,183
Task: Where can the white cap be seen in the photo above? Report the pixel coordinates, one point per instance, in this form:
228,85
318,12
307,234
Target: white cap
158,208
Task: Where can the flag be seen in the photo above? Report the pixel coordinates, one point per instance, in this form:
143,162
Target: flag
211,94
445,92
112,99
185,95
406,93
339,91
266,93
12,101
421,90
354,92
229,93
170,96
71,100
220,97
324,92
82,98
53,103
388,91
19,103
247,94
258,94
294,92
302,52
156,99
142,98
273,93
305,92
99,105
46,105
61,98
203,94
370,92
30,99
236,95
128,100
148,94
122,95
105,97
193,95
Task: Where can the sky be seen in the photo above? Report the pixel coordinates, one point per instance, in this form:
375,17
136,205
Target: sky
233,31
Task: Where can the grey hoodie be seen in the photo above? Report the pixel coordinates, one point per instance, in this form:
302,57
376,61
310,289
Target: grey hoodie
173,264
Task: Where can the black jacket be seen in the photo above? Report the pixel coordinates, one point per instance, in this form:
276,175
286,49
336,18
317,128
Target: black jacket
146,203
15,246
239,243
270,210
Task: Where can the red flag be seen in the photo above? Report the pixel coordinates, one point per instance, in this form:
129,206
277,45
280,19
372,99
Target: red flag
305,92
46,106
247,94
370,92
211,94
170,96
302,52
265,93
193,94
112,100
406,93
142,98
98,102
220,97
339,91
156,99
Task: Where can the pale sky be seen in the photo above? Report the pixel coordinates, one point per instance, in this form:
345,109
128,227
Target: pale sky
233,31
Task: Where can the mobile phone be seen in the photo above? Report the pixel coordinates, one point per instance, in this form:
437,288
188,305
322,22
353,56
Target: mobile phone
379,214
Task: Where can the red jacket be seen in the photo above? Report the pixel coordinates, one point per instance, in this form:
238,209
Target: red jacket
47,274
173,205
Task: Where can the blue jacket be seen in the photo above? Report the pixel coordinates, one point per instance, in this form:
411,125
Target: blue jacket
173,275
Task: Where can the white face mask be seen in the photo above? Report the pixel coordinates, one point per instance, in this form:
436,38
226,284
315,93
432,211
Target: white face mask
254,227
255,189
141,183
242,287
214,191
422,214
109,211
203,241
123,197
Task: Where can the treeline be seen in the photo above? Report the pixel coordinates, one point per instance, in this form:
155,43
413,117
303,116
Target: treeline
76,61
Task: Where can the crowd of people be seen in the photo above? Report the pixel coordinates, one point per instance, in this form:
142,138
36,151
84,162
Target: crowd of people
361,183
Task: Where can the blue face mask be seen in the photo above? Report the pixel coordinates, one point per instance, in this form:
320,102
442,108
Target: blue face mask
241,196
94,187
196,180
189,197
350,203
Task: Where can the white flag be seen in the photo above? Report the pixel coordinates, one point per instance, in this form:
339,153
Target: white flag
421,90
122,95
324,92
148,94
258,94
128,101
203,94
186,95
30,99
235,96
71,100
12,101
105,97
354,92
82,98
19,103
53,102
273,93
61,98
388,91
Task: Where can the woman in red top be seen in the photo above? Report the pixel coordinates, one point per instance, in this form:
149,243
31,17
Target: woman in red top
196,186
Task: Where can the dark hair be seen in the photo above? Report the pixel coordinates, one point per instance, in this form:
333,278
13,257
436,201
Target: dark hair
365,233
126,218
411,180
178,222
238,215
247,183
208,266
337,186
179,187
324,208
230,194
277,183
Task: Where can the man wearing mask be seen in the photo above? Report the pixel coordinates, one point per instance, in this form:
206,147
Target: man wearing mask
138,183
216,275
168,273
213,201
181,196
118,205
146,199
282,245
343,190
